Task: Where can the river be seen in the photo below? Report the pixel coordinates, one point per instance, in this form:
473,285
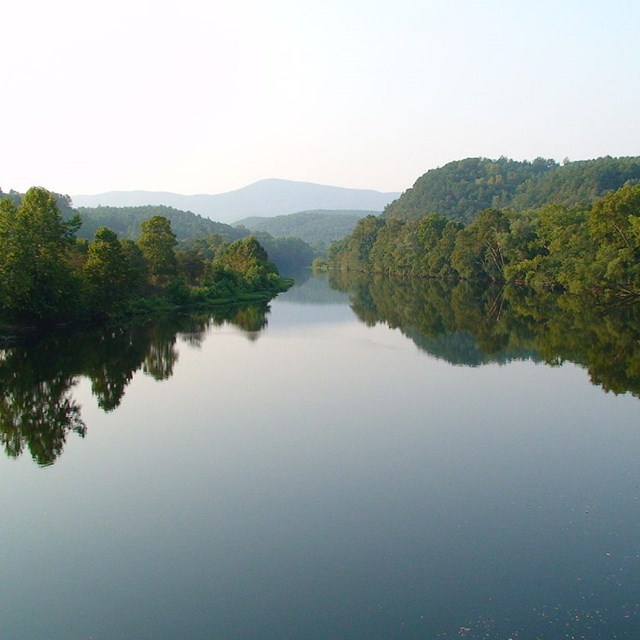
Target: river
359,462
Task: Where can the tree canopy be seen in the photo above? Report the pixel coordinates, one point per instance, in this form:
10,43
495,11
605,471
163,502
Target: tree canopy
460,190
36,277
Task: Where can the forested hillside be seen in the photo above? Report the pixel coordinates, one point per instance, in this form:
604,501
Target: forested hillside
577,183
577,249
460,190
125,221
317,228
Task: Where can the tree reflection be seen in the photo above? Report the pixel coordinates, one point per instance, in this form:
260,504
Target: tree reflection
37,410
471,325
110,359
252,320
161,354
37,407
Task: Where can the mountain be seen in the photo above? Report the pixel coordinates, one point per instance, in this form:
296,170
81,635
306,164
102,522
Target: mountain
318,228
263,198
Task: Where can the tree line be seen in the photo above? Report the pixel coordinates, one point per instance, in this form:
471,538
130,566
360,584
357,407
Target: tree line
318,228
49,275
577,249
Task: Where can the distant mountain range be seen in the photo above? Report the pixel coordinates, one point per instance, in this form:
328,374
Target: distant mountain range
263,198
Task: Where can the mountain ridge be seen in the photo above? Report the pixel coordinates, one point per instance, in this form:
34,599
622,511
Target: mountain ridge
266,198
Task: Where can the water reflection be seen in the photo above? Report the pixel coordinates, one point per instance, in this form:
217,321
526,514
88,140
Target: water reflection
37,408
470,325
461,323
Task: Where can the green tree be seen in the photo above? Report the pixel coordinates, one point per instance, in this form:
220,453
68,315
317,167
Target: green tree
157,242
439,259
106,272
37,279
246,262
137,269
613,223
191,266
479,252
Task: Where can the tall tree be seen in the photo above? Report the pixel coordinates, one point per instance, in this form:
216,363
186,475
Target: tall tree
157,242
614,221
479,251
37,279
106,272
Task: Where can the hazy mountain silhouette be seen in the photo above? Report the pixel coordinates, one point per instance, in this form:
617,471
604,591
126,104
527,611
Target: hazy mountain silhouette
263,198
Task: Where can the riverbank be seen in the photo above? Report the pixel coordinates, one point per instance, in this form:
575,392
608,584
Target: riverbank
147,307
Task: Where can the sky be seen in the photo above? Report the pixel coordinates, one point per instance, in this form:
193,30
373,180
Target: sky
198,96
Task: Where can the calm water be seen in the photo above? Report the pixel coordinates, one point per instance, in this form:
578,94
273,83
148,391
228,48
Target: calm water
372,463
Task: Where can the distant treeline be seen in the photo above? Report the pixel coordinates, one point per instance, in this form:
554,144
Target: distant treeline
317,228
48,275
125,221
570,248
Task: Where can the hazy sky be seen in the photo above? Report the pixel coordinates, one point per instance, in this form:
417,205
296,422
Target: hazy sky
204,97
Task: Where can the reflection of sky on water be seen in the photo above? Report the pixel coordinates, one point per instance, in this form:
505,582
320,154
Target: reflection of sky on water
312,301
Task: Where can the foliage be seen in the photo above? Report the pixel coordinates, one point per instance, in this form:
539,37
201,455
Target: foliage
126,221
196,235
36,277
244,266
614,224
109,272
287,254
577,183
317,228
461,189
574,249
47,275
157,243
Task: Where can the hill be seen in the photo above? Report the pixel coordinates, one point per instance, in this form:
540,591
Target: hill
263,198
577,183
318,228
461,189
125,221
